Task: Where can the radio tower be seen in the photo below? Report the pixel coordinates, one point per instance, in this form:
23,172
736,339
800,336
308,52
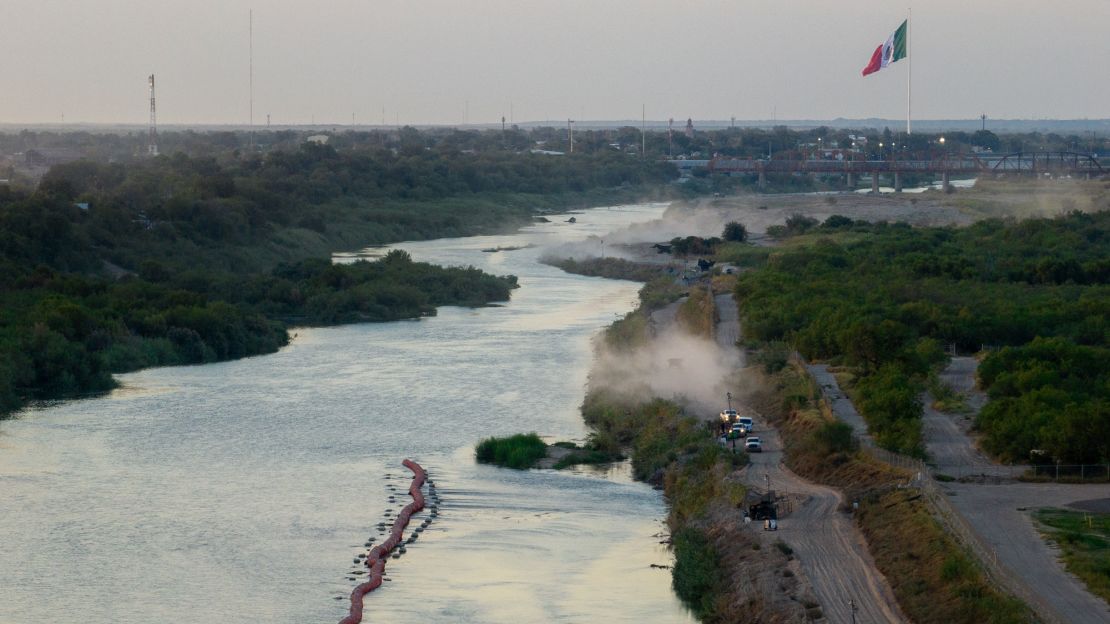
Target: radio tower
152,143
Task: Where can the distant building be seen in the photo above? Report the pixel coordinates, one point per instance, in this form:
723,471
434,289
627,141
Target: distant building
690,128
318,139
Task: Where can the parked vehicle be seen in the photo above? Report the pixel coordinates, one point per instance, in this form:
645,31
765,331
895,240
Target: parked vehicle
747,422
728,416
753,445
764,509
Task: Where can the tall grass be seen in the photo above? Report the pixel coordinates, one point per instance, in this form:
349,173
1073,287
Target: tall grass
520,451
697,575
1084,539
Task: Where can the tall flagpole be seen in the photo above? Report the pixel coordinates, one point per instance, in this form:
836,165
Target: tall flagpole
909,70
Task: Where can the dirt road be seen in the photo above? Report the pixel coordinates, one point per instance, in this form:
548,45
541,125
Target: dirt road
1000,514
948,439
842,406
832,552
728,324
664,317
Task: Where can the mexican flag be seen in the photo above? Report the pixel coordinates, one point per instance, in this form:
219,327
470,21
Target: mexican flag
893,50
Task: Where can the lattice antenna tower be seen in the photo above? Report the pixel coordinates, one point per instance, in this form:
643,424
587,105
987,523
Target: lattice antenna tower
152,140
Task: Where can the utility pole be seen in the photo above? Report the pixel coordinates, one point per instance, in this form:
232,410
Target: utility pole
570,134
643,130
983,117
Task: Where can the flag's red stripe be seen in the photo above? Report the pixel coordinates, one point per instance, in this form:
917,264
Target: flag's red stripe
876,61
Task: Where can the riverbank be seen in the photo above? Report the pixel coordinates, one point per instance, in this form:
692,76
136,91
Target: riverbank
195,458
67,335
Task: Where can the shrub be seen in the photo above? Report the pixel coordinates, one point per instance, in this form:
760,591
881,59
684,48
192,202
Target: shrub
735,232
696,577
519,451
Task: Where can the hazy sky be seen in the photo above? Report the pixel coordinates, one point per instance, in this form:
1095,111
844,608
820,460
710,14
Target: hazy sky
423,60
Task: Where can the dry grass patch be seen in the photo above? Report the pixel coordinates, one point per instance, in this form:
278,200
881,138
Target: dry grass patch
935,581
933,577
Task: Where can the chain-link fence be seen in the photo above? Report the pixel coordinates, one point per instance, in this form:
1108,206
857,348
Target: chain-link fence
1039,473
1067,473
943,510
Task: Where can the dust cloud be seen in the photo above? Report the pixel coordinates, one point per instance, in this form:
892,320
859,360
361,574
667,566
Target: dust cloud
689,370
677,221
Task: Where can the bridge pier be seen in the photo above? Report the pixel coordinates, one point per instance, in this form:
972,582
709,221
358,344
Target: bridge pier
762,180
851,182
875,182
897,182
946,182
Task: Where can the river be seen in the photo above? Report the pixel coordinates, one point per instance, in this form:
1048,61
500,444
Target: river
242,491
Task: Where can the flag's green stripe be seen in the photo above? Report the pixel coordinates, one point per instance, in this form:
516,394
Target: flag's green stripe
900,42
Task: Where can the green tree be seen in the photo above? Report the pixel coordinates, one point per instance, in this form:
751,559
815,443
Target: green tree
734,232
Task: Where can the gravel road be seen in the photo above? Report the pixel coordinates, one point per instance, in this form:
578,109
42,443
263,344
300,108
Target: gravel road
842,406
998,514
728,324
1000,518
948,439
831,551
664,317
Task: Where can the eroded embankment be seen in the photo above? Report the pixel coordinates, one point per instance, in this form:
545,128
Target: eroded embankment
375,559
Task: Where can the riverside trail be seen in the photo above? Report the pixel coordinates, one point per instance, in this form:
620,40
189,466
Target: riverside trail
831,550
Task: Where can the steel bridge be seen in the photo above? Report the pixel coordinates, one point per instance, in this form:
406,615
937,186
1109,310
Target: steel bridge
1019,163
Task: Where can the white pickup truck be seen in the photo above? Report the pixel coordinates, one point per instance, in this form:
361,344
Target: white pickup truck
728,416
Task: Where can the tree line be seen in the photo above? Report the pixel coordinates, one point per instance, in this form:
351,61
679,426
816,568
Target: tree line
112,266
64,333
1032,294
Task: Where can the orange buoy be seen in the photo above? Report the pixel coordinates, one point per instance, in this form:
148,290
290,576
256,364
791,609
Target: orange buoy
375,559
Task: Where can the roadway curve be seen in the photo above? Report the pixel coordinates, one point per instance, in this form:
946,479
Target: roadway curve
999,514
830,549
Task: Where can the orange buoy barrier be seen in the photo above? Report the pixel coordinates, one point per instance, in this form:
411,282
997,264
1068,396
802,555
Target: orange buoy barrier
375,560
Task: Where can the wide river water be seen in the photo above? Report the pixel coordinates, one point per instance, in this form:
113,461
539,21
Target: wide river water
242,491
